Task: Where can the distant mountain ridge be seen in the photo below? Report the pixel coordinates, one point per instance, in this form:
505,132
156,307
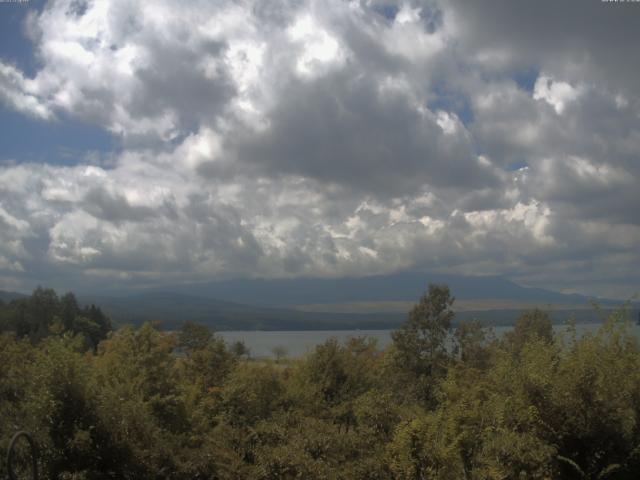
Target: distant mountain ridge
280,304
8,296
317,304
172,309
402,286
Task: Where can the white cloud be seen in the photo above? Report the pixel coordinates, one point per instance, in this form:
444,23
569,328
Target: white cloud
316,138
319,49
21,93
556,93
446,121
11,266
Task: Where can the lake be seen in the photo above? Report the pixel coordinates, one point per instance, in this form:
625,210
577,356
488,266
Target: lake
299,343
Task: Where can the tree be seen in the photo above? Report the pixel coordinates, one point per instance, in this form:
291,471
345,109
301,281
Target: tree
194,336
44,313
97,327
531,324
240,349
69,310
470,339
420,343
279,352
206,362
339,373
33,316
251,393
5,322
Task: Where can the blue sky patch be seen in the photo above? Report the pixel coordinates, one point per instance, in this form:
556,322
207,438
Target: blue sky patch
517,165
452,102
64,141
15,47
387,11
526,79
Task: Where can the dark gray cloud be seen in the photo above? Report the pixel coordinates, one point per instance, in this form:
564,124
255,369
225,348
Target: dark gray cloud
329,138
113,207
590,40
344,129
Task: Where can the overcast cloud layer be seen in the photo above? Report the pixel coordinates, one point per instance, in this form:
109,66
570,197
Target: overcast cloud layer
330,138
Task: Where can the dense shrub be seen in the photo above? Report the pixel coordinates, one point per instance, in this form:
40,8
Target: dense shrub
142,404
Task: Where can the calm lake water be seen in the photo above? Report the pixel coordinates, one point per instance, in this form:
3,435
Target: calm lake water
299,343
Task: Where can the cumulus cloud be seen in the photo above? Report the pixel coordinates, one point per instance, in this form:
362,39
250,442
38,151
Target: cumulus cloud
576,40
329,138
21,94
556,94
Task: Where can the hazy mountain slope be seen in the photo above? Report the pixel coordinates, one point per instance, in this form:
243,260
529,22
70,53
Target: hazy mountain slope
172,309
347,303
8,296
404,286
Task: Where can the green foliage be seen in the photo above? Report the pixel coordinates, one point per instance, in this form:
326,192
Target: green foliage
471,341
337,373
147,404
240,349
194,336
420,341
207,361
44,314
420,344
279,352
251,393
529,326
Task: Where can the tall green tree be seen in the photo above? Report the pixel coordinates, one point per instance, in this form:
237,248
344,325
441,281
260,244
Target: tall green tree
530,325
471,341
420,344
194,336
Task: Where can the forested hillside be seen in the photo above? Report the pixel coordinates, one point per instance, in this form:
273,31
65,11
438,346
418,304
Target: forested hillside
145,404
45,313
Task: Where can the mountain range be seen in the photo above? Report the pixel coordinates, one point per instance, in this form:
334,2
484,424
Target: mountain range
375,302
406,286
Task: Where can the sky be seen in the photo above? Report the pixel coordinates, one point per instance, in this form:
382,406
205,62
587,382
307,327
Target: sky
150,143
